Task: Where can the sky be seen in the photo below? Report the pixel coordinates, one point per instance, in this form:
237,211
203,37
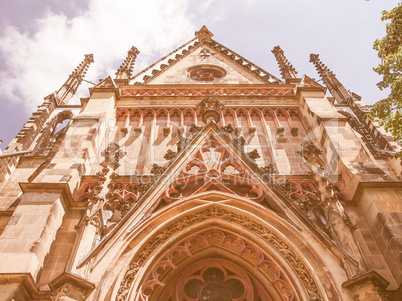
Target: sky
42,42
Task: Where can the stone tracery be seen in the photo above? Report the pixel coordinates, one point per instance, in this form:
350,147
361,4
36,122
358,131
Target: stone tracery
194,285
218,213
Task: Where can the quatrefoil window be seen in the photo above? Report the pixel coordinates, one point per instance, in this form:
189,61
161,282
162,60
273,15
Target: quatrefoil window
214,284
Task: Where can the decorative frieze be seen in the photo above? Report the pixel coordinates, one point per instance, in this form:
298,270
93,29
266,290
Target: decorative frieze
205,91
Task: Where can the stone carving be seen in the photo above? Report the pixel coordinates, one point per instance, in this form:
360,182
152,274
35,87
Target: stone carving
137,131
304,194
195,129
286,187
112,155
217,212
121,197
157,170
206,73
210,108
170,155
204,53
253,154
269,169
239,142
181,143
204,34
224,240
212,168
252,130
228,128
166,131
309,150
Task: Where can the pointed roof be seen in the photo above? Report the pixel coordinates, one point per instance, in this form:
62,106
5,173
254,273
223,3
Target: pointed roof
203,38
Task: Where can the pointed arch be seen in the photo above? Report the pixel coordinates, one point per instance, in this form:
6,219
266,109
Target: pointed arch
263,236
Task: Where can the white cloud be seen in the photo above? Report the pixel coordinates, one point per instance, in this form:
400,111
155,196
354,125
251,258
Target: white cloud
38,64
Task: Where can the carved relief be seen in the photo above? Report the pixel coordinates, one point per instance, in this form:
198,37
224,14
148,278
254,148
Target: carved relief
190,285
213,168
217,212
206,73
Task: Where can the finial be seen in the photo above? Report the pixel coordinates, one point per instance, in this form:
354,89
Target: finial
286,68
126,68
313,57
204,34
210,108
69,88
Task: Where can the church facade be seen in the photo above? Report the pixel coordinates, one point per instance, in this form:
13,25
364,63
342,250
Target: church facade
202,177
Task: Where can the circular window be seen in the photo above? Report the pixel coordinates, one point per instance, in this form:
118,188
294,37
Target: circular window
206,73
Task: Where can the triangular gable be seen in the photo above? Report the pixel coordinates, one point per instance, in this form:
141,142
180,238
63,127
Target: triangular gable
212,163
182,65
108,82
309,82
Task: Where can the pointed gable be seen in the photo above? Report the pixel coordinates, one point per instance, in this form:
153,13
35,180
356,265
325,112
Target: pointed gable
204,62
106,83
309,82
212,161
204,65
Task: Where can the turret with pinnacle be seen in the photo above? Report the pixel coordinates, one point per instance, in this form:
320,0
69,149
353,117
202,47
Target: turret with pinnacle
126,68
67,91
286,68
335,87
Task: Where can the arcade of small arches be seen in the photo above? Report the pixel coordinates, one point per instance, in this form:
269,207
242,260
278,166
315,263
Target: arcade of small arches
245,118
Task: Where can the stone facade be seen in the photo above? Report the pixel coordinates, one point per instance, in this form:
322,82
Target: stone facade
202,177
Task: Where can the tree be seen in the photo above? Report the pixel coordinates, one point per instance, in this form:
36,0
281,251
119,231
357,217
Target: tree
389,110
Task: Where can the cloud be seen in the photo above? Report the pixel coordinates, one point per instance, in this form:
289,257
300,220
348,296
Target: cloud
37,64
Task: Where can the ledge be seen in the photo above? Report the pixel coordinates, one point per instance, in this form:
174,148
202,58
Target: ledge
62,188
365,279
73,280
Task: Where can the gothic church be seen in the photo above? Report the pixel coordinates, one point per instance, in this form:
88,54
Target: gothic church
201,177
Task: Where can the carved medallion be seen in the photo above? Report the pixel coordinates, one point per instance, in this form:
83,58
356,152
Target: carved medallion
206,73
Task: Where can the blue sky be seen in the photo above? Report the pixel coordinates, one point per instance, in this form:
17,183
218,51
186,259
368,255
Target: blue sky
41,42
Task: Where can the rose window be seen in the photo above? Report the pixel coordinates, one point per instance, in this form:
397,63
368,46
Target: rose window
206,73
214,284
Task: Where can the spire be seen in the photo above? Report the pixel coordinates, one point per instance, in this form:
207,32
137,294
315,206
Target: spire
71,85
125,70
204,34
335,87
286,68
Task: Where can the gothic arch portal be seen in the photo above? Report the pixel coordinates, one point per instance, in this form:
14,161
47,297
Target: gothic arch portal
231,236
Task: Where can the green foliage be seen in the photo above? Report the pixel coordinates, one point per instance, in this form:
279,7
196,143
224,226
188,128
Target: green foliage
389,110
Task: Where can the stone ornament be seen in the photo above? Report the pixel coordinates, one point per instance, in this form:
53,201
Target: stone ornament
217,212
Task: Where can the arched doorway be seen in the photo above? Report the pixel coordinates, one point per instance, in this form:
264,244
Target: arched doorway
215,264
